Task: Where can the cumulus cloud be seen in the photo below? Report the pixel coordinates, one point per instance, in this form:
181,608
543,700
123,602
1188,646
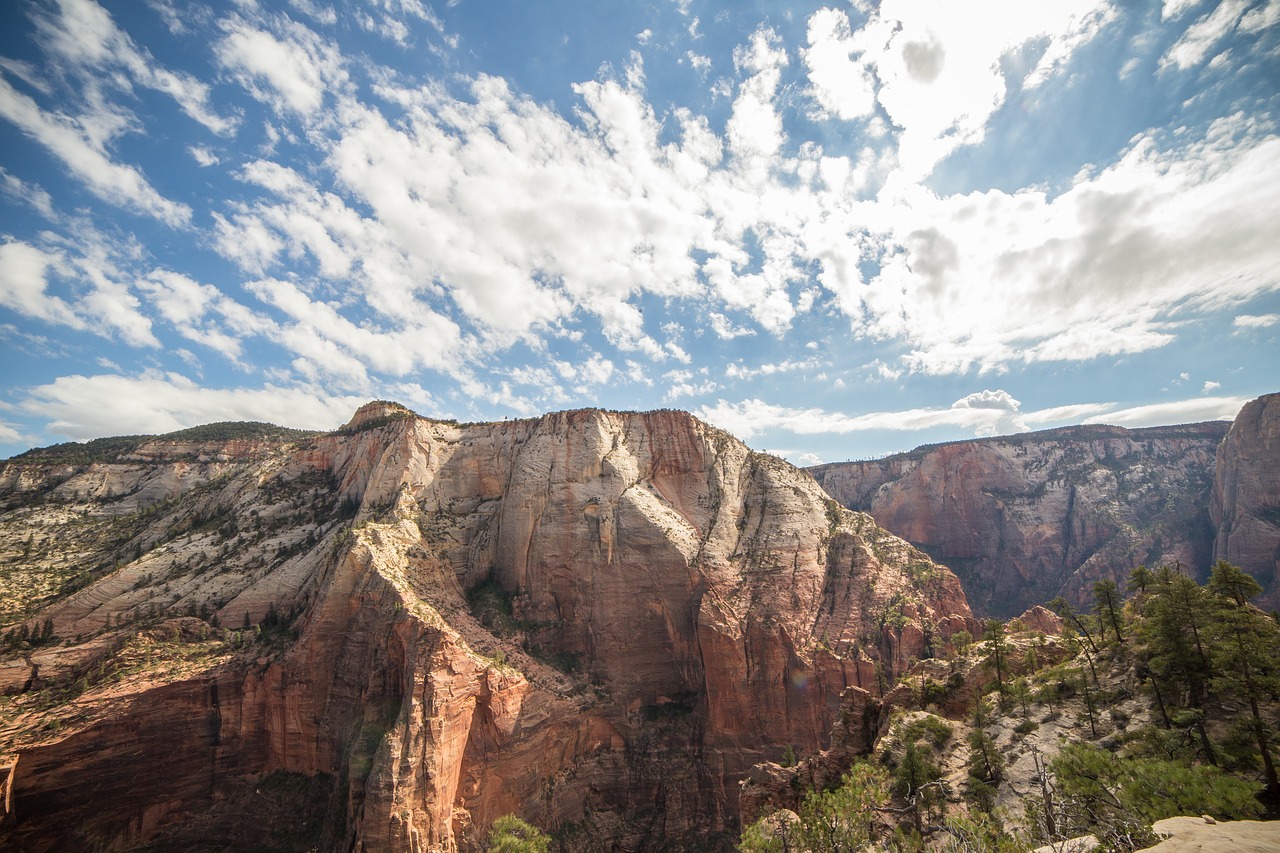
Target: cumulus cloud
493,211
99,297
936,74
844,87
24,285
282,63
203,155
1106,268
202,313
32,194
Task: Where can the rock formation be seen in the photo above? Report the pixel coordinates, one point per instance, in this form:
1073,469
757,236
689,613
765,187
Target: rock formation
1024,518
1246,495
288,634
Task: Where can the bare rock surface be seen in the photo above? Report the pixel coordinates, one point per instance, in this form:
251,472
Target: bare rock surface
1195,835
1246,495
1024,518
672,609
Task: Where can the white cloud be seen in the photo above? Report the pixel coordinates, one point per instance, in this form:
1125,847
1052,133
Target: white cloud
203,155
84,36
986,413
1255,321
739,371
934,69
1181,412
321,14
75,143
330,345
698,62
297,66
24,283
1173,9
843,87
1200,37
1261,17
202,313
32,194
1072,413
1210,386
1107,268
84,407
98,298
754,130
725,329
1004,409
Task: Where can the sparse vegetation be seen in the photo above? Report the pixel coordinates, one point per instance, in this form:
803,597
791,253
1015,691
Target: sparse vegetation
1171,699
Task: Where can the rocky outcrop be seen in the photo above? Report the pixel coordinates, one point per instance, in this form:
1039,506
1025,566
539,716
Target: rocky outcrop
1188,834
1246,495
675,609
1024,518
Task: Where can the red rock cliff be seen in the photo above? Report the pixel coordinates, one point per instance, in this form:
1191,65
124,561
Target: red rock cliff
1024,518
1246,495
704,607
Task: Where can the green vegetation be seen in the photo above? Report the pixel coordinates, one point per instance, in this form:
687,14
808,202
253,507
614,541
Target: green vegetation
109,449
843,819
510,834
1118,798
1204,662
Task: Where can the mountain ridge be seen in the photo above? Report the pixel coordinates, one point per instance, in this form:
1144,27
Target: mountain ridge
684,608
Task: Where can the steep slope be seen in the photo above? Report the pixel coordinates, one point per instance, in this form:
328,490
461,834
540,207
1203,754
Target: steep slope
1024,518
290,636
1246,495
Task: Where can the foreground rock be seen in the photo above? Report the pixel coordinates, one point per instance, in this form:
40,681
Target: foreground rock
1195,835
295,639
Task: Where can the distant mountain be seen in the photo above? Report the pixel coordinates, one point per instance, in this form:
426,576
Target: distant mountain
1024,518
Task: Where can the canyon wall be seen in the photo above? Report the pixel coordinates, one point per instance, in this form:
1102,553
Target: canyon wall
291,634
1024,518
1246,495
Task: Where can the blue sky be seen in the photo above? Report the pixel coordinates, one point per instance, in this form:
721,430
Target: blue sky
837,230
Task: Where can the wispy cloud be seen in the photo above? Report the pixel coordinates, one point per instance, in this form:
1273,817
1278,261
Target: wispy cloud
65,138
1179,412
82,407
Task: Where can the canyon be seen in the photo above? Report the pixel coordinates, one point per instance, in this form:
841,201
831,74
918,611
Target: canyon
1022,519
627,628
385,637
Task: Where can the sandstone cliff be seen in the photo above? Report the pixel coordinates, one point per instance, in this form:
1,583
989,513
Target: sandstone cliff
290,634
1024,518
1246,495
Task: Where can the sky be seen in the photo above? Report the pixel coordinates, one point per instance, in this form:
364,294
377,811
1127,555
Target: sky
837,230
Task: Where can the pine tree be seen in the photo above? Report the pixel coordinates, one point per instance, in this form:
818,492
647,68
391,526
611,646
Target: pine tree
1064,609
1107,605
1245,647
1139,579
998,649
1230,582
